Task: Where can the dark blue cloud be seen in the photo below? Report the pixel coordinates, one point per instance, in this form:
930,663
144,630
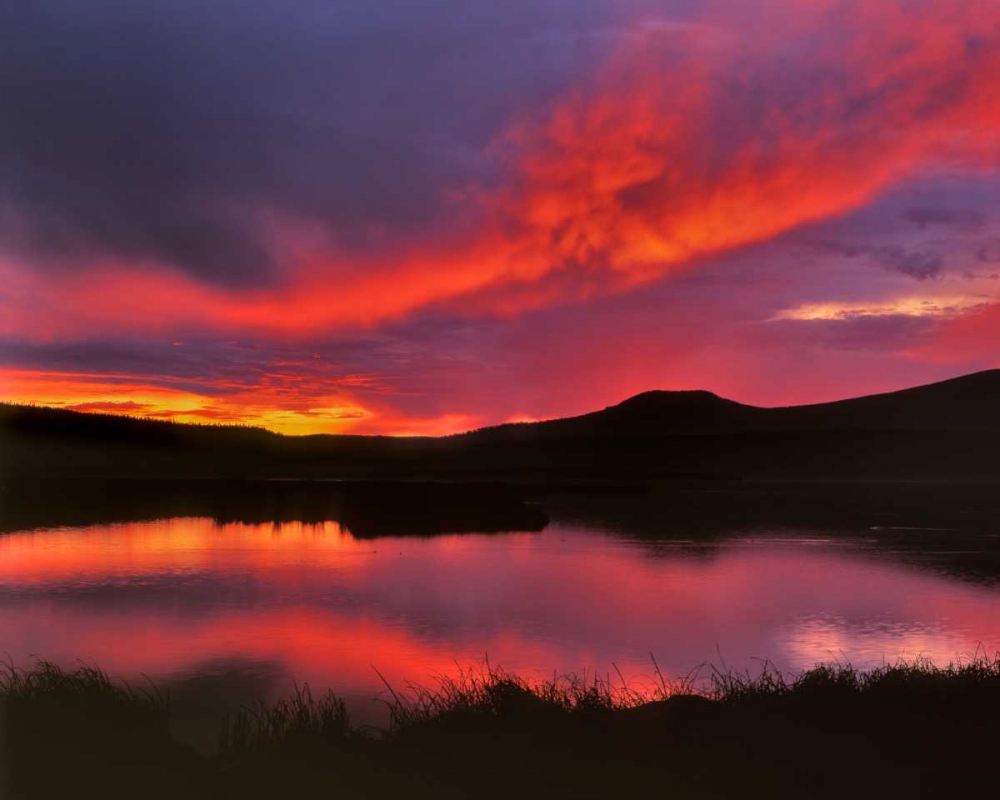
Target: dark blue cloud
989,253
917,264
169,130
925,217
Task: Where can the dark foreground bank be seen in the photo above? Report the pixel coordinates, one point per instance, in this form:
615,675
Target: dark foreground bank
908,730
915,434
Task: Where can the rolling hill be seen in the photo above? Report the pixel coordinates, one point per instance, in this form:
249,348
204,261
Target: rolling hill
948,430
971,402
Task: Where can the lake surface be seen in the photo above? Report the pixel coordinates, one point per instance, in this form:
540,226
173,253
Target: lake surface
256,607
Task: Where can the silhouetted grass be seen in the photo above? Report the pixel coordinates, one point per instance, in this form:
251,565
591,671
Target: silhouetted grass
906,728
80,732
85,684
299,716
82,703
918,682
487,693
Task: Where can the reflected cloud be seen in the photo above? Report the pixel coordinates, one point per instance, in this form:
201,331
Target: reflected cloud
161,598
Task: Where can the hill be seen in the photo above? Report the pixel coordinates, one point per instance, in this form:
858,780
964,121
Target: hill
971,402
948,430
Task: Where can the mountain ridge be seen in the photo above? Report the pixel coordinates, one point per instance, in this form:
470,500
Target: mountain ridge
928,406
946,430
700,405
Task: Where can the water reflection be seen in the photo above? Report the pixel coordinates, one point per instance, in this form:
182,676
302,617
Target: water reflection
191,598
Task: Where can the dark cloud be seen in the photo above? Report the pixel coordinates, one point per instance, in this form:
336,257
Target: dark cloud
989,253
184,368
925,217
860,332
174,131
845,249
415,359
917,264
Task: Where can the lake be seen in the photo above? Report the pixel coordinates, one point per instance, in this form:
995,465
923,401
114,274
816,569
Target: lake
228,612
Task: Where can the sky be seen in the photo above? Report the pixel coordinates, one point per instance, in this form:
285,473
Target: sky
424,217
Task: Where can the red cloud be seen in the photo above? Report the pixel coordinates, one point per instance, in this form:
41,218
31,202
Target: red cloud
731,140
971,338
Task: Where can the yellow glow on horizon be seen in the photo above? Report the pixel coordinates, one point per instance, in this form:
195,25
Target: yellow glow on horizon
912,306
129,396
278,410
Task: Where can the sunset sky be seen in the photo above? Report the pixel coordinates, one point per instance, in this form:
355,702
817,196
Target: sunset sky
423,217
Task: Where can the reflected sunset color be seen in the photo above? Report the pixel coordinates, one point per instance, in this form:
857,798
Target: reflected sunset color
177,598
592,398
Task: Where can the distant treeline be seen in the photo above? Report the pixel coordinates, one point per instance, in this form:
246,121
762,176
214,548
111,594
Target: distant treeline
949,431
365,508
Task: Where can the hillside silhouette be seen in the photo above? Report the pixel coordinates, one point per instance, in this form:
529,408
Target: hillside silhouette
943,431
971,402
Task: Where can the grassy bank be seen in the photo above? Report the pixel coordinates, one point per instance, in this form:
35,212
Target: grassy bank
909,729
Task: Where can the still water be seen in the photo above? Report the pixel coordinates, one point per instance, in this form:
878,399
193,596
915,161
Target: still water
268,605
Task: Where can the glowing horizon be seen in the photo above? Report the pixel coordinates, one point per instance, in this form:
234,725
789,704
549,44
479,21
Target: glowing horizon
785,202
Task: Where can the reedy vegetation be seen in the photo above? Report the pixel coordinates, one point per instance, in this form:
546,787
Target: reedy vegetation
488,732
485,692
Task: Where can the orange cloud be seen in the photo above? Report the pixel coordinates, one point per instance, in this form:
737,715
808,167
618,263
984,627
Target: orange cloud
640,173
733,139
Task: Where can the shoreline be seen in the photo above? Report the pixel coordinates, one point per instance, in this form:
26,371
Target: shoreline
490,733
